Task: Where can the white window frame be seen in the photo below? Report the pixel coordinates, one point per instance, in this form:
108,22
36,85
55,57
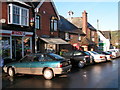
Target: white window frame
20,18
67,37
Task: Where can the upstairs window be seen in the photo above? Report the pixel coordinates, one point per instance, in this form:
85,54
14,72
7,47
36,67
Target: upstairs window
54,24
18,15
67,37
37,24
79,38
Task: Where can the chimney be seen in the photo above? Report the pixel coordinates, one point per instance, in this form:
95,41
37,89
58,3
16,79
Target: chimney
84,22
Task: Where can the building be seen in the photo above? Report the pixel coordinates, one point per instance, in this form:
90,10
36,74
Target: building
16,33
90,41
46,27
70,33
104,40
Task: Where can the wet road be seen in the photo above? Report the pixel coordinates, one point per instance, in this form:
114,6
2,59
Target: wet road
103,75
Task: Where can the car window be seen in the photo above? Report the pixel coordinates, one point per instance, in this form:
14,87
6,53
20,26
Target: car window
55,56
27,58
78,53
94,52
87,53
67,53
44,58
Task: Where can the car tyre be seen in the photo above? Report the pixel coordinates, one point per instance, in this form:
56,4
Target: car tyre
81,64
11,72
48,74
106,59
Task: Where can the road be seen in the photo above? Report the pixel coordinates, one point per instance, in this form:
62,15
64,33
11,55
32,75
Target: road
103,75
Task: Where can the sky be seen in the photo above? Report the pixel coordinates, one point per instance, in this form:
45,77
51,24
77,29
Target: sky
105,12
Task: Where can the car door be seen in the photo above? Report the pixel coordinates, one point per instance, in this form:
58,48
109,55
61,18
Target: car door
78,56
23,66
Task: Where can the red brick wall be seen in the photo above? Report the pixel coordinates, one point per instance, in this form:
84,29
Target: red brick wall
45,19
4,11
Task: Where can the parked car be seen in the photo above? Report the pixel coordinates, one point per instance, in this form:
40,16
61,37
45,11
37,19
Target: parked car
46,64
96,57
77,58
107,54
115,52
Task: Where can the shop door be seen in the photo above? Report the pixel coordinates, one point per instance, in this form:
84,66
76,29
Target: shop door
17,48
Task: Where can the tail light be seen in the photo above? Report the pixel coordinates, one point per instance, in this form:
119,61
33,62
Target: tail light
110,55
100,56
60,65
86,56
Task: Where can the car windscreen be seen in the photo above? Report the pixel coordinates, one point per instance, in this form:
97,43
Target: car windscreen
94,52
55,56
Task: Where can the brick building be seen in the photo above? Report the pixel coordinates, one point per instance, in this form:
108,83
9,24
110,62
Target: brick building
90,41
47,17
16,32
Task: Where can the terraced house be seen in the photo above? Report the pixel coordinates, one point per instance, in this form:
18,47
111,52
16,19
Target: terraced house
16,33
90,41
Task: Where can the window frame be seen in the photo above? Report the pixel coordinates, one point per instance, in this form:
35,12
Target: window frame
10,15
53,25
37,22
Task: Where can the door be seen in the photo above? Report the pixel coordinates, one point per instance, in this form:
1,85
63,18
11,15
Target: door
23,66
16,47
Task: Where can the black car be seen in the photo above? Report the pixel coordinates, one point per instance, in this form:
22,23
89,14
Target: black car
78,58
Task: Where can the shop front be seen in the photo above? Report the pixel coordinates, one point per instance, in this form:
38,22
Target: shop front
15,44
52,44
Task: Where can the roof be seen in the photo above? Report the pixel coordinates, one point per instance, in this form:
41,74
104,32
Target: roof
65,26
87,41
106,34
54,40
37,6
20,1
77,21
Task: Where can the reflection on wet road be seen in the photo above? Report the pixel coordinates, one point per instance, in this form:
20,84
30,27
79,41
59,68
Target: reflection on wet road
103,75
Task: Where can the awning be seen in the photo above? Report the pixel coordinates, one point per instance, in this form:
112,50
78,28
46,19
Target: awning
54,40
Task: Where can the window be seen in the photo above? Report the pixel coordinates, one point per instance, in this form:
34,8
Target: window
76,53
67,36
54,23
18,15
5,47
79,38
37,24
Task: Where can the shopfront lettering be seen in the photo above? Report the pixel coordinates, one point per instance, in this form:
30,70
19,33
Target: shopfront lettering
18,33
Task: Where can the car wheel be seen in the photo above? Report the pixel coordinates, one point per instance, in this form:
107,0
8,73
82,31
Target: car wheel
48,74
81,64
11,72
106,59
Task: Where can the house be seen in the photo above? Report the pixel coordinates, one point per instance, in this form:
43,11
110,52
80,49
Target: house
16,34
46,27
70,33
90,41
104,40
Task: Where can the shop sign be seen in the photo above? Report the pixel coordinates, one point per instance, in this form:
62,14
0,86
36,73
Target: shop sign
16,33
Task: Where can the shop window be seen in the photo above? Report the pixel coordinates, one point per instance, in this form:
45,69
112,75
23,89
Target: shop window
18,15
5,44
27,45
